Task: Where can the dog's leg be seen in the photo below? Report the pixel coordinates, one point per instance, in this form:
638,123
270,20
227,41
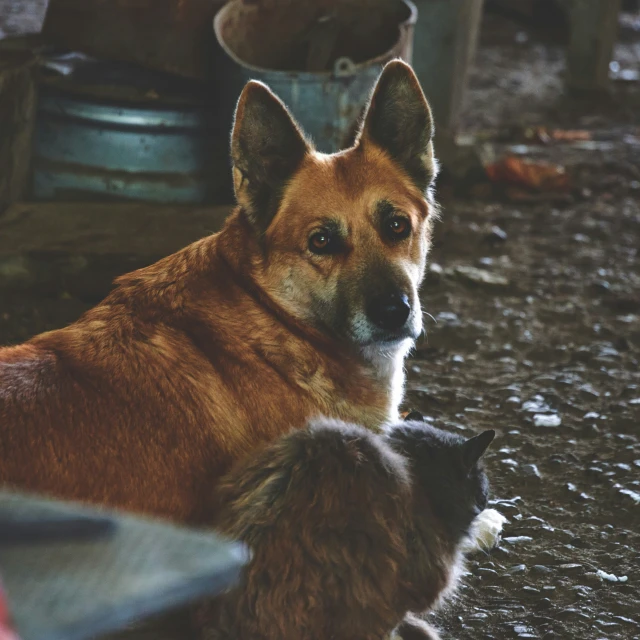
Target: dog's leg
486,531
414,628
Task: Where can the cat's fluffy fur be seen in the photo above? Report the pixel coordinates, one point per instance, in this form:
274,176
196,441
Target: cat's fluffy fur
349,531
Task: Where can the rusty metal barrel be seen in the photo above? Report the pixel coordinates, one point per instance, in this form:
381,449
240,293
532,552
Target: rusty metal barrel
321,58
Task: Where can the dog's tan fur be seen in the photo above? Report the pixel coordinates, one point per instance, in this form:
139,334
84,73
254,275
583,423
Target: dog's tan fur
192,362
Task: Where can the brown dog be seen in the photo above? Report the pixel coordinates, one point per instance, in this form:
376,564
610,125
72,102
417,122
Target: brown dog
306,303
350,531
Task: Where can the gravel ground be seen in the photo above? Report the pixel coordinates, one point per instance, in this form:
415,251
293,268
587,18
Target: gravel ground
537,334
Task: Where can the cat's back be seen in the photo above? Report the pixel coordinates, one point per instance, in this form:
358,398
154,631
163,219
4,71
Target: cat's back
324,510
331,473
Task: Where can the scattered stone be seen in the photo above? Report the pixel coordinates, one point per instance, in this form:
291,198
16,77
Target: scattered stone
540,568
517,568
634,495
588,390
531,471
448,318
571,568
610,577
544,420
517,539
536,405
481,277
590,431
477,616
496,235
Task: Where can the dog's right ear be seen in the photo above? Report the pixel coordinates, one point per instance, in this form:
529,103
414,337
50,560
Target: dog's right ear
399,121
267,147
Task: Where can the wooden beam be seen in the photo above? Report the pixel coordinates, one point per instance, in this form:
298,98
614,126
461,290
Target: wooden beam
145,230
17,120
79,248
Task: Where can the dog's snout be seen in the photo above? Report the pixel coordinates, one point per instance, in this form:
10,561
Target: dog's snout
389,311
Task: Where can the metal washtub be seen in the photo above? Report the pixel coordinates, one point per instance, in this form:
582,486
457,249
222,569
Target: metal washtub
100,145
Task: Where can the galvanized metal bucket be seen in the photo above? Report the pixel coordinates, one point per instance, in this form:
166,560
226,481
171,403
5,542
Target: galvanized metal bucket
327,103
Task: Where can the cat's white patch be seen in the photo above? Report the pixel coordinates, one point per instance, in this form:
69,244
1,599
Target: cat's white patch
486,531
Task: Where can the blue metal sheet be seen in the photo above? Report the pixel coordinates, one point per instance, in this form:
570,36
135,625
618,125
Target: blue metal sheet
90,148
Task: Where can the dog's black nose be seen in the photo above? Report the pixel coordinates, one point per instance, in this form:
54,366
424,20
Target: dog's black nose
389,311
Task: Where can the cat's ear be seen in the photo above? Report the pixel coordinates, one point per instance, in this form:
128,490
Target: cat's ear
474,448
267,147
399,121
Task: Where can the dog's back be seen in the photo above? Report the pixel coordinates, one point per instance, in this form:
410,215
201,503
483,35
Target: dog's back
110,409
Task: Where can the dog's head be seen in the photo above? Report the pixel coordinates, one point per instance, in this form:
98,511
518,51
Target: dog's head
344,237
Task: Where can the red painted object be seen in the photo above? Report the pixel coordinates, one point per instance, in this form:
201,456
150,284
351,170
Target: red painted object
6,628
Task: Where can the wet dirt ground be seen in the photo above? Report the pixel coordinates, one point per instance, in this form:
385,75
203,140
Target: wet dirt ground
542,345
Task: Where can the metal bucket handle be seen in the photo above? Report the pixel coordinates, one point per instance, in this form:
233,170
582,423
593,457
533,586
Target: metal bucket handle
344,67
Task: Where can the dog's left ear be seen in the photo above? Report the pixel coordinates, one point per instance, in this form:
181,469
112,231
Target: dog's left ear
399,121
267,147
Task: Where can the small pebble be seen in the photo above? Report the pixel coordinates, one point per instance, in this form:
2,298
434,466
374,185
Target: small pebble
531,471
545,420
517,568
570,568
540,568
634,495
610,577
517,539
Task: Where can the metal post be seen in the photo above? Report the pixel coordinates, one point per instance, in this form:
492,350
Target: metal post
445,40
594,27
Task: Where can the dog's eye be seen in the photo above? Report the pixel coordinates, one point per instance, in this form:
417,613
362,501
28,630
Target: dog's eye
398,228
323,241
